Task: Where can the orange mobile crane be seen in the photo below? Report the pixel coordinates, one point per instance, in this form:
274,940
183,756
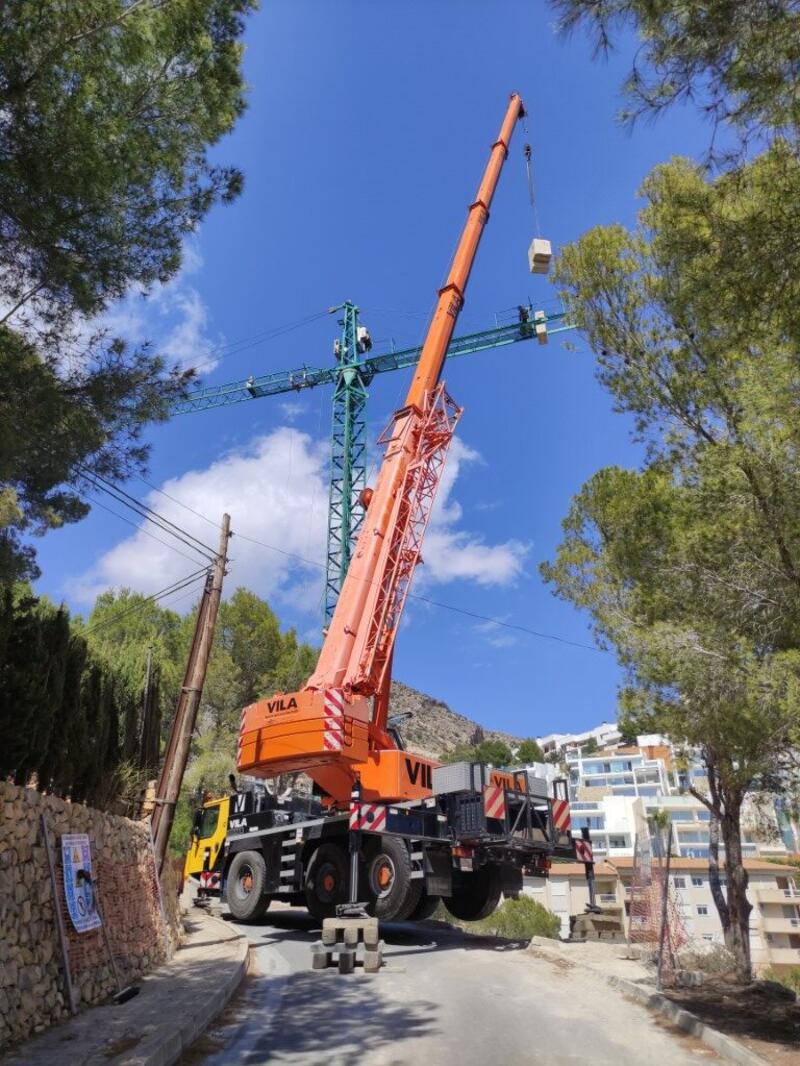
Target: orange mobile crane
335,728
465,832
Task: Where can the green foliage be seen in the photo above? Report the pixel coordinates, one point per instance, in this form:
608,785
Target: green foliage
515,919
56,414
71,694
109,110
690,567
528,752
62,708
495,752
250,632
110,107
737,61
789,978
590,747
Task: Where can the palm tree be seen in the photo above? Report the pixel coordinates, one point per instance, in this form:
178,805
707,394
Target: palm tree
658,822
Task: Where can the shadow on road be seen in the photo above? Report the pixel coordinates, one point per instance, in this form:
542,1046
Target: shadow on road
300,927
324,1016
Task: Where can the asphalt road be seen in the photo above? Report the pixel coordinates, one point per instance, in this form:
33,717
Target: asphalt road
440,999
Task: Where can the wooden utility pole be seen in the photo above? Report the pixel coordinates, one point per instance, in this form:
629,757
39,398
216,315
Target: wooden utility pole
180,738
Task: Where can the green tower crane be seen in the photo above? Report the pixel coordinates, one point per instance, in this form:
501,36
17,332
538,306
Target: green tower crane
352,372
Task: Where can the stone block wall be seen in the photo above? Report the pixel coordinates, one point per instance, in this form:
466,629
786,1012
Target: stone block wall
32,983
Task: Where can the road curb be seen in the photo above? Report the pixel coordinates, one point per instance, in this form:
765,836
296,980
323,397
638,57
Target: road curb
730,1049
167,1043
726,1046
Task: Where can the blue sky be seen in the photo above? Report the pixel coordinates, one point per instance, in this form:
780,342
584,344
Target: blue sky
368,125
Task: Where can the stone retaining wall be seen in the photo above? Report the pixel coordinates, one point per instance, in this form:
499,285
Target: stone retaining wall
32,981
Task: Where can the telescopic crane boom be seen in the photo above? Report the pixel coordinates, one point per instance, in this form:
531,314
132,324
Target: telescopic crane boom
335,728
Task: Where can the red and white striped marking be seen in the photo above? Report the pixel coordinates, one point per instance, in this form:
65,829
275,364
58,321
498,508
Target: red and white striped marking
494,801
241,738
583,851
561,818
209,879
368,816
333,709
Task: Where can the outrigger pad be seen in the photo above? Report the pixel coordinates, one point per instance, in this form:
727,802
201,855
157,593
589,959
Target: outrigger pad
341,939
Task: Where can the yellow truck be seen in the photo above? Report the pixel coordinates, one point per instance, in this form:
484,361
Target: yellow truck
203,861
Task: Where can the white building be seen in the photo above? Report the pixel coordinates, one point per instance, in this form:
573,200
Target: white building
604,736
774,921
616,791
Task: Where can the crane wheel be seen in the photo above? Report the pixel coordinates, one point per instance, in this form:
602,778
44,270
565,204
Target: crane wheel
246,881
475,895
326,881
393,892
425,908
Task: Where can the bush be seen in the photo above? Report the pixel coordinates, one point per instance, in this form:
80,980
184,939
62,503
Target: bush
788,978
712,959
515,919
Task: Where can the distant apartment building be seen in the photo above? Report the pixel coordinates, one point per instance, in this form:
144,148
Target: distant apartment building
604,736
617,789
774,921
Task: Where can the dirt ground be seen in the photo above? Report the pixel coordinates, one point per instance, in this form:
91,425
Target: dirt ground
765,1020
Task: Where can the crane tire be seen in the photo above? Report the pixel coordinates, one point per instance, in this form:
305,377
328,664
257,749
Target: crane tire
475,895
425,908
392,890
326,881
246,881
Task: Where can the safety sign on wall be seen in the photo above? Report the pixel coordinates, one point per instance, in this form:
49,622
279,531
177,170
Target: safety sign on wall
76,856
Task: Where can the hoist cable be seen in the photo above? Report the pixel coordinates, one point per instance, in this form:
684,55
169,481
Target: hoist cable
527,151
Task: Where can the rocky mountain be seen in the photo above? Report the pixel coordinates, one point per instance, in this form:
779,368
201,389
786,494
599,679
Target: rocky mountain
434,728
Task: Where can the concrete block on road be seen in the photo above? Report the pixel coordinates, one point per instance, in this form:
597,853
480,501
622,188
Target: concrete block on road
347,961
373,959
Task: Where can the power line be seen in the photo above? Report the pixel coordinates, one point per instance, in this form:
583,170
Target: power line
147,513
174,499
443,606
422,599
505,625
141,529
176,586
244,343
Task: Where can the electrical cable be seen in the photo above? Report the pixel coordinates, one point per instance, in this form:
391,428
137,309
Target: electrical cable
150,515
216,355
140,529
437,603
176,586
413,596
505,625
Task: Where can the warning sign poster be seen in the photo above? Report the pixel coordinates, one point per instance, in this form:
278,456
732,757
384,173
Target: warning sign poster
76,857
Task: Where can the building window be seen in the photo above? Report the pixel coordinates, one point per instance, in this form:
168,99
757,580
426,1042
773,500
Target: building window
702,911
697,882
679,882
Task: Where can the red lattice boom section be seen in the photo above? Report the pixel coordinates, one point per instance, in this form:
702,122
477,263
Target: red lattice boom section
439,420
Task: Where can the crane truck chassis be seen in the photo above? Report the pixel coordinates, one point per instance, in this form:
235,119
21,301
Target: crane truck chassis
467,844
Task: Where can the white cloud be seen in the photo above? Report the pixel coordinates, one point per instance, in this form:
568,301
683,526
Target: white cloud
452,554
495,634
292,409
275,490
173,317
187,343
